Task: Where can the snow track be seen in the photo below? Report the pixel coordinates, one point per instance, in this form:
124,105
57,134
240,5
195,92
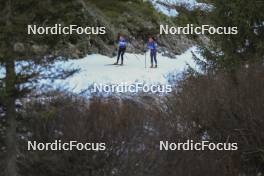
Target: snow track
97,68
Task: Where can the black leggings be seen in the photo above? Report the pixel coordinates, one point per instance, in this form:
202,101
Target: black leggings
153,56
121,53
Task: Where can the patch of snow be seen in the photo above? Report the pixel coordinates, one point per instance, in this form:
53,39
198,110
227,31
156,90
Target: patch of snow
96,68
172,12
2,72
165,10
99,69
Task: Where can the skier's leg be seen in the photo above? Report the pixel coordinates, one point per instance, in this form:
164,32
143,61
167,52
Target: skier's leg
122,56
151,59
118,56
155,59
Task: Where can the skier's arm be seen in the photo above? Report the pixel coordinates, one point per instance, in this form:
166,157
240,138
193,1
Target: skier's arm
117,45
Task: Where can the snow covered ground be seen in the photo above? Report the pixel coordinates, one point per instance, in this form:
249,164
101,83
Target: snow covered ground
164,10
173,12
98,69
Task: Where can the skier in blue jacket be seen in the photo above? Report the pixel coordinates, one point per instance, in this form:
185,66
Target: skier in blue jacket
122,43
152,46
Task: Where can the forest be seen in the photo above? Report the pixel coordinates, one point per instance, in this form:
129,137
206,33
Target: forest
222,102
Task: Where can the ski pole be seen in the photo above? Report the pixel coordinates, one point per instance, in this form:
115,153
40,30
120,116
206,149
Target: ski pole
135,54
145,60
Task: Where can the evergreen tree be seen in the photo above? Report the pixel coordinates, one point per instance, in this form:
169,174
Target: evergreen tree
228,51
28,52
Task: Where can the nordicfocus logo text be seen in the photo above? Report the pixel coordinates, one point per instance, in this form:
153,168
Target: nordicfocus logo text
131,88
58,145
58,29
190,29
203,145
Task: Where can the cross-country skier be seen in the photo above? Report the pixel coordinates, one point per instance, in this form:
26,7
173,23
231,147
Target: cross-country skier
152,46
122,43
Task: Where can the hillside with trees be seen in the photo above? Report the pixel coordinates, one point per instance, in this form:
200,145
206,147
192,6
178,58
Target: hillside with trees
223,102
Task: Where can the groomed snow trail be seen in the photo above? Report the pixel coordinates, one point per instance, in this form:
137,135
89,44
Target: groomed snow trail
97,68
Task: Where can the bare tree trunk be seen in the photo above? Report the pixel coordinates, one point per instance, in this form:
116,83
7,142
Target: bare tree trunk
11,141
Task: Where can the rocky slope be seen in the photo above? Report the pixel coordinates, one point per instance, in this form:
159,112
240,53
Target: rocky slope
134,19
